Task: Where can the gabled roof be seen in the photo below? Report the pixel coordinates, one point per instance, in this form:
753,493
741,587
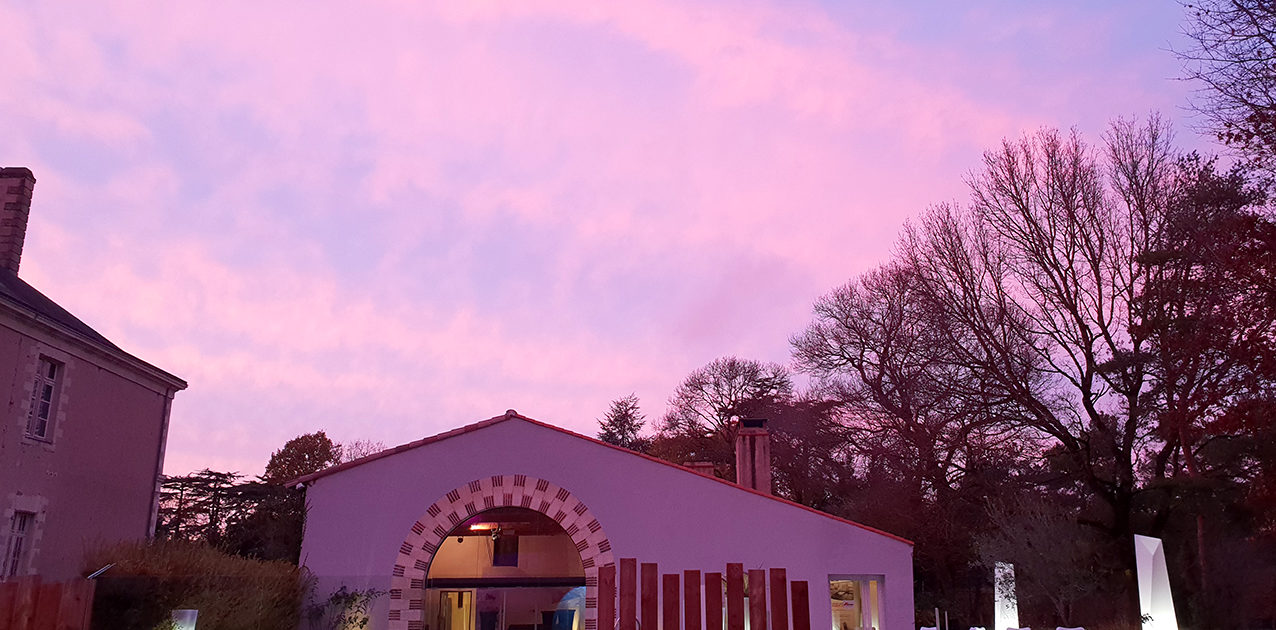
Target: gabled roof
26,299
15,290
514,415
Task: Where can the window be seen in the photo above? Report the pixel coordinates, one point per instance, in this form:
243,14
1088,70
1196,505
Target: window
856,601
44,398
19,526
505,551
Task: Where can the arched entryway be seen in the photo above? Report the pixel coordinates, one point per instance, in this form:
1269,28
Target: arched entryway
461,506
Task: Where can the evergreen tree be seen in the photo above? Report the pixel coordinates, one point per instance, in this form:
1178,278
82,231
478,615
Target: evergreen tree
621,424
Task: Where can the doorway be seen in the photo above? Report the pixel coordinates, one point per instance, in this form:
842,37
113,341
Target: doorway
455,610
508,568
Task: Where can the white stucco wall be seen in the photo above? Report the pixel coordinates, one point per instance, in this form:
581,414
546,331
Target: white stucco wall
359,517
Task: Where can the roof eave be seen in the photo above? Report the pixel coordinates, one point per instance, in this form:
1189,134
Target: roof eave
110,353
511,415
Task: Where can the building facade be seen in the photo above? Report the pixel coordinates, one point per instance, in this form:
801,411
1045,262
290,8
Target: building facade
505,524
83,424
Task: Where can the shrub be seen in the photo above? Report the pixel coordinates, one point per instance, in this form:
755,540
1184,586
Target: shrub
150,579
343,610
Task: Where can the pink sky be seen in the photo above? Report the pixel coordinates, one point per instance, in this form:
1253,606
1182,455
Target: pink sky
391,222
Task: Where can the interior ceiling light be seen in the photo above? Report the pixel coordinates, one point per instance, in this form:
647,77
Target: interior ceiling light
484,527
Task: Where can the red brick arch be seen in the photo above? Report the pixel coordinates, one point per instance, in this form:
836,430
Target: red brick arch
407,582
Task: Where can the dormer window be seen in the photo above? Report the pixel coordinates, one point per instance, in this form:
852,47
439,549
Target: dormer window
48,379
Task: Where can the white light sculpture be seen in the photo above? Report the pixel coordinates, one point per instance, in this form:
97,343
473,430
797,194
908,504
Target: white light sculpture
1154,585
1005,612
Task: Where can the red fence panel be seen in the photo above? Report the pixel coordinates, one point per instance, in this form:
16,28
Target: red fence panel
607,597
779,599
646,600
713,601
691,599
28,604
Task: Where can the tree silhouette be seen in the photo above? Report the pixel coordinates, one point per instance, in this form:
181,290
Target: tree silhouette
622,423
302,455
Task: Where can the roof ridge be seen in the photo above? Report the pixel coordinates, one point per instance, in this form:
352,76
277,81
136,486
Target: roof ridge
511,414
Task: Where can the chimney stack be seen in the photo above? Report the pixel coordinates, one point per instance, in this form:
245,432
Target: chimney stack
701,468
753,455
16,185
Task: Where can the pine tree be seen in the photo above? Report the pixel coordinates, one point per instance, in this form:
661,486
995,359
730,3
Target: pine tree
621,424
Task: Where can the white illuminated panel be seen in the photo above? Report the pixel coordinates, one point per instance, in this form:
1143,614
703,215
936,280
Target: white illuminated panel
1005,604
1154,585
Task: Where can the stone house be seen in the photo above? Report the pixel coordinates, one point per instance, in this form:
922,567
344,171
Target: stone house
83,423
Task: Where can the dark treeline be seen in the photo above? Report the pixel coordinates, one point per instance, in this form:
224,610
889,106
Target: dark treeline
1084,351
257,518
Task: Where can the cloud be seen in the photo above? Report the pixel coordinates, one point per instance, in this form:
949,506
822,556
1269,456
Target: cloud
390,222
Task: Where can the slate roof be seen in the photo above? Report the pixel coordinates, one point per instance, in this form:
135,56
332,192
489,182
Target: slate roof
514,415
16,291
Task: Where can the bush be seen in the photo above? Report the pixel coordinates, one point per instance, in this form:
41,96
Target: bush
343,610
150,579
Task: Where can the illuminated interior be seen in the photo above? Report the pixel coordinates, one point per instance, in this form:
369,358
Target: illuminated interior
506,569
856,602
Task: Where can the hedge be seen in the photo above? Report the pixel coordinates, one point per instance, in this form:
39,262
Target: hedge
150,579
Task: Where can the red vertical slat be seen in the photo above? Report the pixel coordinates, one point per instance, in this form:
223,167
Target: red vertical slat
24,602
801,606
691,599
649,602
8,591
628,594
607,597
779,600
82,597
757,599
735,596
713,601
47,600
670,606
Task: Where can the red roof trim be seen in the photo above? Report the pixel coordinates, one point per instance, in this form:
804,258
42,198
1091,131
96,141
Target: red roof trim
511,414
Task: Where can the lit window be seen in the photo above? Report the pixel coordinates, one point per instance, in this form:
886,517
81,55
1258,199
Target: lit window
18,528
44,398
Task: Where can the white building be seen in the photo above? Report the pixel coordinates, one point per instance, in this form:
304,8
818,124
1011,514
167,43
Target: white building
503,525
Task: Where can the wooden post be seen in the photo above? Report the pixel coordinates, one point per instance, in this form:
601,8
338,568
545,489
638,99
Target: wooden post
649,615
669,604
607,597
779,600
713,601
801,606
8,590
47,601
735,596
24,602
757,599
628,594
76,610
691,599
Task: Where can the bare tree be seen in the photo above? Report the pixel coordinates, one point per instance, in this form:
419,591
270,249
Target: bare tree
1055,558
1232,54
876,349
913,419
1035,290
713,397
360,448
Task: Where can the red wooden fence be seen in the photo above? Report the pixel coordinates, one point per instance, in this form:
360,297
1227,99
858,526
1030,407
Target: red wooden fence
630,600
28,604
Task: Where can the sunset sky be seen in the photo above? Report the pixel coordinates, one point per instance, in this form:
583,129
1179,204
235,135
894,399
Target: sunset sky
392,221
